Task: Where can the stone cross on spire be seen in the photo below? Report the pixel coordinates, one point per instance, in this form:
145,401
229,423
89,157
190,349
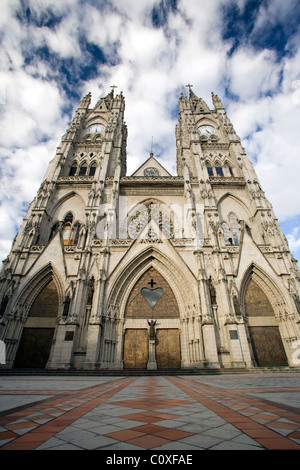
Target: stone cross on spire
113,88
189,87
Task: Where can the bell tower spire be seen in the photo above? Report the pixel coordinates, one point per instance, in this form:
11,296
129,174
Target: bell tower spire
189,86
224,192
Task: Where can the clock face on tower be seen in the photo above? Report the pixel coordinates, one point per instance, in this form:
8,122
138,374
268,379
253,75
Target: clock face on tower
96,128
206,130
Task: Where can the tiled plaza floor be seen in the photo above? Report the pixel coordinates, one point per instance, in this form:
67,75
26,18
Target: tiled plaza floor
188,413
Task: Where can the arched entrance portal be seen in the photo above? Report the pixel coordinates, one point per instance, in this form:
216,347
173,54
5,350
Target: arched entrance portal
152,324
36,341
264,333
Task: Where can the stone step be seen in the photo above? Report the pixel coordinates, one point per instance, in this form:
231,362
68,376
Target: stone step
142,372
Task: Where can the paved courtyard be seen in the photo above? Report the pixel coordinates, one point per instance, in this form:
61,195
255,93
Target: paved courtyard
161,413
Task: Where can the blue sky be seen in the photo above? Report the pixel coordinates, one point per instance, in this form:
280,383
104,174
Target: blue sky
54,52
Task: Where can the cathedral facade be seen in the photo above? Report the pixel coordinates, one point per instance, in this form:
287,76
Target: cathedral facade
150,271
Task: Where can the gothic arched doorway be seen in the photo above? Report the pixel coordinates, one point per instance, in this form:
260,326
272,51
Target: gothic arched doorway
38,332
265,337
152,303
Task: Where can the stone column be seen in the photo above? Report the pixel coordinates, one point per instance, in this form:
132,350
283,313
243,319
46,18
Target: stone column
92,350
210,345
152,359
210,350
152,340
62,351
119,344
245,345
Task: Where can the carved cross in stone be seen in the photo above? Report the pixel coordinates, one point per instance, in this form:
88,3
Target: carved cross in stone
189,87
151,283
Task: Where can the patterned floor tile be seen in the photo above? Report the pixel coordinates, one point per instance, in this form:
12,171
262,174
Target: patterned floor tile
149,441
198,412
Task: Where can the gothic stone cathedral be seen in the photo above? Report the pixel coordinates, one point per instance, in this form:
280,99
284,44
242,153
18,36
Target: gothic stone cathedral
150,271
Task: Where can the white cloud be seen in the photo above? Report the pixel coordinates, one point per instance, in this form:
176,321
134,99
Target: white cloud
269,125
254,74
274,12
62,40
32,109
154,64
12,36
133,10
102,29
294,239
45,8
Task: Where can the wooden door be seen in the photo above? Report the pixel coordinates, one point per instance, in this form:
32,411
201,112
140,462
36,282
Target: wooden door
168,349
136,349
34,348
36,341
267,346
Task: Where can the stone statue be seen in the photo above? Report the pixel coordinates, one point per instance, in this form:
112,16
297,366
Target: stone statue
152,328
212,292
90,291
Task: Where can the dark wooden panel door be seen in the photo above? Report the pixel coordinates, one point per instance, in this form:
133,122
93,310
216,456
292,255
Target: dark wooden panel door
34,348
136,349
267,346
168,349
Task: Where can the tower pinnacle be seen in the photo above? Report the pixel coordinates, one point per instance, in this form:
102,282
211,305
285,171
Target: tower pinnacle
189,86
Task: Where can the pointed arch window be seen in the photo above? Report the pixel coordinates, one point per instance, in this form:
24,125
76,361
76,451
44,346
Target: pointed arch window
70,231
73,169
228,170
209,170
66,233
227,234
235,228
219,170
74,234
92,169
83,170
68,218
231,232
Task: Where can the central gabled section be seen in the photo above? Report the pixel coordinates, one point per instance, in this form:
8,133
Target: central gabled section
152,298
151,167
149,339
